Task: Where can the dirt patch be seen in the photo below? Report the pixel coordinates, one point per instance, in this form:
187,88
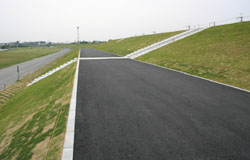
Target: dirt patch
64,100
8,134
56,147
40,150
50,126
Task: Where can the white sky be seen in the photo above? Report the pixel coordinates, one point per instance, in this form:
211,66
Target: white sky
56,20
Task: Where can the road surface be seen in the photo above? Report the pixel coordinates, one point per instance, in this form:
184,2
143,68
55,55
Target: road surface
9,75
132,110
3,50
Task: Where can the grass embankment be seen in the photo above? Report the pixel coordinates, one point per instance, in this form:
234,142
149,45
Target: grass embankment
19,55
219,53
125,46
33,122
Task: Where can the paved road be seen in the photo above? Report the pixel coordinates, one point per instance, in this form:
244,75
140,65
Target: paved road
3,50
131,110
9,75
88,52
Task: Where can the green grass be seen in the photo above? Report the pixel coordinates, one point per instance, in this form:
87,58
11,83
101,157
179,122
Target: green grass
19,55
125,46
33,122
219,53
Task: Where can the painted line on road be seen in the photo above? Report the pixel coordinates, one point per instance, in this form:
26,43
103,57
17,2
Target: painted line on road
68,147
101,58
241,89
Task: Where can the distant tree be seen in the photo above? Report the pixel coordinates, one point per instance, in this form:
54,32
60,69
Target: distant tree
5,47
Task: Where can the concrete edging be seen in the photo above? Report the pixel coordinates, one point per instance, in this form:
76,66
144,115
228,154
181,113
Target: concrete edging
70,130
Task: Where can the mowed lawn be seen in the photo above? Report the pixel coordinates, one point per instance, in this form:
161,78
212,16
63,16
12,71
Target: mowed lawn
19,55
220,53
125,46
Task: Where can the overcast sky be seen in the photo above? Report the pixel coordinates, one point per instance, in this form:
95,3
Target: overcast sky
56,20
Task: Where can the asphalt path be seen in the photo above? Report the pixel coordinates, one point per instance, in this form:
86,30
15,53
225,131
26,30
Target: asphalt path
9,75
132,110
3,50
88,52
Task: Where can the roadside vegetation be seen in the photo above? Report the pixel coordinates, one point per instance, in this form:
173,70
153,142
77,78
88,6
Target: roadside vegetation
19,55
125,46
33,121
219,53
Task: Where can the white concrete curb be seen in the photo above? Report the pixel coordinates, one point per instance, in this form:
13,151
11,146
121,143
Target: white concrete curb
70,131
52,71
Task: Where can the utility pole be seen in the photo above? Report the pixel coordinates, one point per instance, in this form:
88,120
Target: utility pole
18,76
211,24
241,17
78,35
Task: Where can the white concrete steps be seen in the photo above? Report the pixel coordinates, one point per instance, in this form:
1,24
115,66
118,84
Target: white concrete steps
162,43
52,71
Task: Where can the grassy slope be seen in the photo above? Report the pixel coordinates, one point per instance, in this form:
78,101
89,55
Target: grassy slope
33,122
15,56
220,53
125,46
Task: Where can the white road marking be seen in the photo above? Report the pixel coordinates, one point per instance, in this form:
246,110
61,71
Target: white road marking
100,58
